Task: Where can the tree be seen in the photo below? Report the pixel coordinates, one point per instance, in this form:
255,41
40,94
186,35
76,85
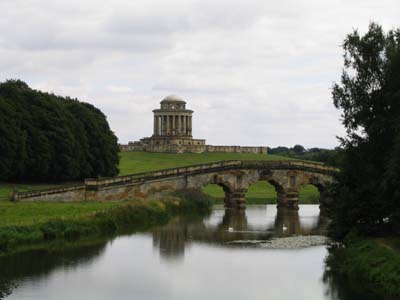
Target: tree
368,187
44,137
299,149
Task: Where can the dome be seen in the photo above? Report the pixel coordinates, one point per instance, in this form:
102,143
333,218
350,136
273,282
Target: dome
173,98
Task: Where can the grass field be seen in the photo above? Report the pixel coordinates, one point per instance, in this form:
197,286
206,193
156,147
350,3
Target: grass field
137,162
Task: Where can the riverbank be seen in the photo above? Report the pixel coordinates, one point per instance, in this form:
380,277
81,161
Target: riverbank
373,263
26,223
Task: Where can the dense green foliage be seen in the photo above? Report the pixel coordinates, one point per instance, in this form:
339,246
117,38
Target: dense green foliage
44,137
193,200
114,218
369,263
368,187
330,157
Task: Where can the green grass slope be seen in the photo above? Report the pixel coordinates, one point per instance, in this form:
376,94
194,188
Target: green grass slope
137,162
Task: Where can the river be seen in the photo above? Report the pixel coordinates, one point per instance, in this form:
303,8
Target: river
259,253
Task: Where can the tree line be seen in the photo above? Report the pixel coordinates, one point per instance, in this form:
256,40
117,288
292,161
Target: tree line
44,137
330,157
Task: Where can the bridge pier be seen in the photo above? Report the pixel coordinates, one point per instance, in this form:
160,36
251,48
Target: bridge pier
288,199
236,199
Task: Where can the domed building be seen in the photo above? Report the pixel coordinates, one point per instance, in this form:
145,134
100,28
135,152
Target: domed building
173,123
172,132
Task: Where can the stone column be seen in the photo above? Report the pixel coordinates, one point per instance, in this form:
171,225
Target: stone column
164,125
184,126
159,125
179,125
168,129
288,199
155,126
190,125
236,199
173,125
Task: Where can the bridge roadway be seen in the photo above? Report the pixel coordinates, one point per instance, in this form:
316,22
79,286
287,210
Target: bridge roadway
234,176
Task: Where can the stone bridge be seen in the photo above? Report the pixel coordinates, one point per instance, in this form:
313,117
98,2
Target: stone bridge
233,176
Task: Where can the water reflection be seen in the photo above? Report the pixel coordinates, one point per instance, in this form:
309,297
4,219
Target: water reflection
202,262
233,225
41,263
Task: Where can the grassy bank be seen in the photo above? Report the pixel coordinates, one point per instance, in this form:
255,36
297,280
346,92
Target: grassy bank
373,264
69,222
28,213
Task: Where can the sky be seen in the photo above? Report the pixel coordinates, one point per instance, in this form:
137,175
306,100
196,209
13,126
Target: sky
255,72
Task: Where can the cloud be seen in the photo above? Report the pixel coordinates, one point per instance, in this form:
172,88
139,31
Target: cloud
255,72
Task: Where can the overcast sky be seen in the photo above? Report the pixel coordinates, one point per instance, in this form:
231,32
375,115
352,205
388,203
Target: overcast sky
255,72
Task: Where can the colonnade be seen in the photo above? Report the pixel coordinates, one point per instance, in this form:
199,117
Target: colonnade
172,125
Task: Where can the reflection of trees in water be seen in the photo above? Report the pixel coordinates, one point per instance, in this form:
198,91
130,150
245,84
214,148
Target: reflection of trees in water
6,287
39,263
337,286
172,238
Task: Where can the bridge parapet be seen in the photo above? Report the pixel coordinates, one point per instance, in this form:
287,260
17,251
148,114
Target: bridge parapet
164,173
289,164
211,167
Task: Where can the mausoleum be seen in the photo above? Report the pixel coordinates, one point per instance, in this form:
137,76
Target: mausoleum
172,132
173,123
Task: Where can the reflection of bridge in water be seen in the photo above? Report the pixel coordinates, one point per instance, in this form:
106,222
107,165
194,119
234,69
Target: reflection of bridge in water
233,225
